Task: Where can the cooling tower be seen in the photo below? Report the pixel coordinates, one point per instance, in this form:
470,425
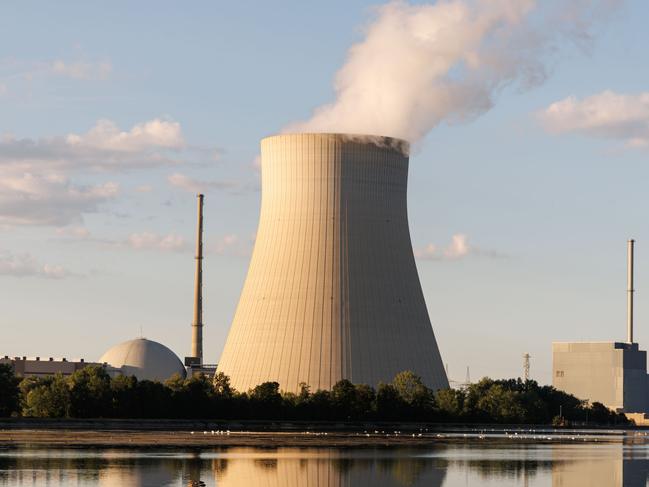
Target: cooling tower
332,291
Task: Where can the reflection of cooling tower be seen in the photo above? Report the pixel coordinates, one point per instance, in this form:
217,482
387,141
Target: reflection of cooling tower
287,467
332,291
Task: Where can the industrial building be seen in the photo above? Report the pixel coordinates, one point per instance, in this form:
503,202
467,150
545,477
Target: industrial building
613,373
40,367
332,291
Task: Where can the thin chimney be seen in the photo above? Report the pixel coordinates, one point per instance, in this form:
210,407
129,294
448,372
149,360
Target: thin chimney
197,324
630,290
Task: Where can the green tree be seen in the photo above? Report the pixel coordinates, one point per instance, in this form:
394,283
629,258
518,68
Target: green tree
90,393
198,392
364,403
419,398
221,384
389,405
410,387
500,405
320,405
9,391
343,396
450,403
266,400
47,397
154,400
125,398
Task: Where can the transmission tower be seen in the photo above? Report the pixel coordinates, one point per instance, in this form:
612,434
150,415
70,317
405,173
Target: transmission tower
526,366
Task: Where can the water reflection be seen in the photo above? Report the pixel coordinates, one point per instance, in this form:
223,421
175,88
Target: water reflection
329,468
592,465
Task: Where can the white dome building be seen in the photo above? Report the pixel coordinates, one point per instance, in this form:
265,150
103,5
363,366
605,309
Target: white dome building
145,359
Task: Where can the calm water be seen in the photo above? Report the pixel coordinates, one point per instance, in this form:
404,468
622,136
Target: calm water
621,463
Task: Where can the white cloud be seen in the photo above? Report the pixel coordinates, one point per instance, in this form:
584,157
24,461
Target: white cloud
105,135
153,241
605,115
3,89
423,64
35,174
48,198
82,70
459,248
192,185
25,265
103,147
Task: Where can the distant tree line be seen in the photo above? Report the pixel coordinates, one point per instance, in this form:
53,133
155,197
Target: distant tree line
92,393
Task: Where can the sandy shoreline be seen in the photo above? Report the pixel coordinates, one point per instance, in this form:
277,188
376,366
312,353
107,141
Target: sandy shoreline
267,439
206,438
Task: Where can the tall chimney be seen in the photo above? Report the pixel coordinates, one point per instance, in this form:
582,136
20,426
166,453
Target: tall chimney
197,324
630,290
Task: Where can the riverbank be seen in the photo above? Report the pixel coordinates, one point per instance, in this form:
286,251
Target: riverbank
181,433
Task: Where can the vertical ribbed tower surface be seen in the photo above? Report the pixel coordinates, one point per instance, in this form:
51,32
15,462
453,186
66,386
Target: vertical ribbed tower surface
332,291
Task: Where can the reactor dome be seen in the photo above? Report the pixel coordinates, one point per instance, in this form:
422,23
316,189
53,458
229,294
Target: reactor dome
145,359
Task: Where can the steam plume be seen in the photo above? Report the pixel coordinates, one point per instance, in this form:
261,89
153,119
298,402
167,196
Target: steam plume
420,65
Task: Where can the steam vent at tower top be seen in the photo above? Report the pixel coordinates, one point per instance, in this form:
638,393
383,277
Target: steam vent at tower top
332,291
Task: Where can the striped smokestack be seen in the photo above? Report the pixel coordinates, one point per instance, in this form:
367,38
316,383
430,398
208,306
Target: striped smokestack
197,324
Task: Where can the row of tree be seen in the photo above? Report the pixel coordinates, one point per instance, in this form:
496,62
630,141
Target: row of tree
92,393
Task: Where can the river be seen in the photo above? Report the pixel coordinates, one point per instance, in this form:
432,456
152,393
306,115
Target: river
622,461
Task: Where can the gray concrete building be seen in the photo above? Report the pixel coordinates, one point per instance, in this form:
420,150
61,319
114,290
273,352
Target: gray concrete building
612,373
332,290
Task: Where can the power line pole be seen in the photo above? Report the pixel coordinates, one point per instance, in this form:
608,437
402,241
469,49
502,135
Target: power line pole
526,366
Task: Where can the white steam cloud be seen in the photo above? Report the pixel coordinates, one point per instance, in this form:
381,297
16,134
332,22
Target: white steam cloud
420,65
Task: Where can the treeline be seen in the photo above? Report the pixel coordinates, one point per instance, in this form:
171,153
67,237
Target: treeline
92,393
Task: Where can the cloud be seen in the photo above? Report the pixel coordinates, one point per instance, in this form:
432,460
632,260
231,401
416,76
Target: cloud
605,115
48,198
421,65
3,89
103,147
106,136
81,70
196,186
459,248
144,188
25,265
153,241
35,174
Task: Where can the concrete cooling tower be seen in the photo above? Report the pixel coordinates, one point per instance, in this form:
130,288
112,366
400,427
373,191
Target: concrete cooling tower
332,291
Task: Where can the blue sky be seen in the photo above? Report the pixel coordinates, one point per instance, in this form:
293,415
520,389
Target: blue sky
97,219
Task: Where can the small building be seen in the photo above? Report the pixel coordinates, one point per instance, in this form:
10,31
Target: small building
613,373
